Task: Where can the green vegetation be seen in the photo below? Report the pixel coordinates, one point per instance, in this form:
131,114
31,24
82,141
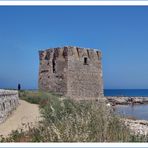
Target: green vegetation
36,97
72,121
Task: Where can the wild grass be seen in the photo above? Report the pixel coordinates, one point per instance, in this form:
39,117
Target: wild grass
72,121
36,97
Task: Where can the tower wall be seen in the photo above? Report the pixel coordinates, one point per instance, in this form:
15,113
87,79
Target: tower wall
84,73
72,71
53,70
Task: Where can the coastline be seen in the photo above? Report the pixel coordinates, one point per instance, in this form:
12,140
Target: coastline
125,100
136,126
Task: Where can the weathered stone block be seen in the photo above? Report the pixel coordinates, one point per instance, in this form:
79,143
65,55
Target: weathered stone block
9,100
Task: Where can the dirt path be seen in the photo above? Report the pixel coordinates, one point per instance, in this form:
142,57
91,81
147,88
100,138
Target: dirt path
24,114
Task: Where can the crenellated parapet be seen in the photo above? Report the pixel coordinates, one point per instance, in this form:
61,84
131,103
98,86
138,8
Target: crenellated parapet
68,51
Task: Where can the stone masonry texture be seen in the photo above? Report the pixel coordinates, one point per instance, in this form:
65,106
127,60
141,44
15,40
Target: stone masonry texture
9,100
71,71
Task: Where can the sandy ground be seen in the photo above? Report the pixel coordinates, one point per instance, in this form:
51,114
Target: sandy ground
24,114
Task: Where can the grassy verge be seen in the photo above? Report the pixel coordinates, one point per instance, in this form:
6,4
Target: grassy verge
36,97
72,121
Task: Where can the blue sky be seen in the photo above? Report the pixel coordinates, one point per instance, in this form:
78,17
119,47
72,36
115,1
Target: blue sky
120,32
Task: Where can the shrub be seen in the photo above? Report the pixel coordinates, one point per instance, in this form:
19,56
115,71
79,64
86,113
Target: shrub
36,97
73,121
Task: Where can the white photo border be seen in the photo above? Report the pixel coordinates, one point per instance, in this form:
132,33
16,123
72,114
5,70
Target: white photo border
74,3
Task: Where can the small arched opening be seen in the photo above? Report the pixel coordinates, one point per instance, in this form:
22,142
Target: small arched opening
53,66
85,61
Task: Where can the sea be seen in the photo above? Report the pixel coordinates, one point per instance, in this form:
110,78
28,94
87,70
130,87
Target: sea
126,92
139,111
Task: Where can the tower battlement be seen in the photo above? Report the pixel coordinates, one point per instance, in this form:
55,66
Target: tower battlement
72,71
71,51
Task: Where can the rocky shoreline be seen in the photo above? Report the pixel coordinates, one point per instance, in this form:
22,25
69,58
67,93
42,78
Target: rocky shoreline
137,127
119,100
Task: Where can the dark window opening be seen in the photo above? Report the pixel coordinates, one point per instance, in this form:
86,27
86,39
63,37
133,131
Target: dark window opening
85,61
53,66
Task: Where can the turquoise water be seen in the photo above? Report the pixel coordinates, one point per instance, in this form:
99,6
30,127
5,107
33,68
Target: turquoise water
137,111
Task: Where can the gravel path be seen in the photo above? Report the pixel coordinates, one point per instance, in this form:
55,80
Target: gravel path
24,114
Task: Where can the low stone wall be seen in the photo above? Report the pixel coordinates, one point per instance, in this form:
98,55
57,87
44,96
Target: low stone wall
9,100
115,100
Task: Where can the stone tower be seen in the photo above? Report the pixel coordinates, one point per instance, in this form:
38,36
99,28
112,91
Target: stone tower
71,71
